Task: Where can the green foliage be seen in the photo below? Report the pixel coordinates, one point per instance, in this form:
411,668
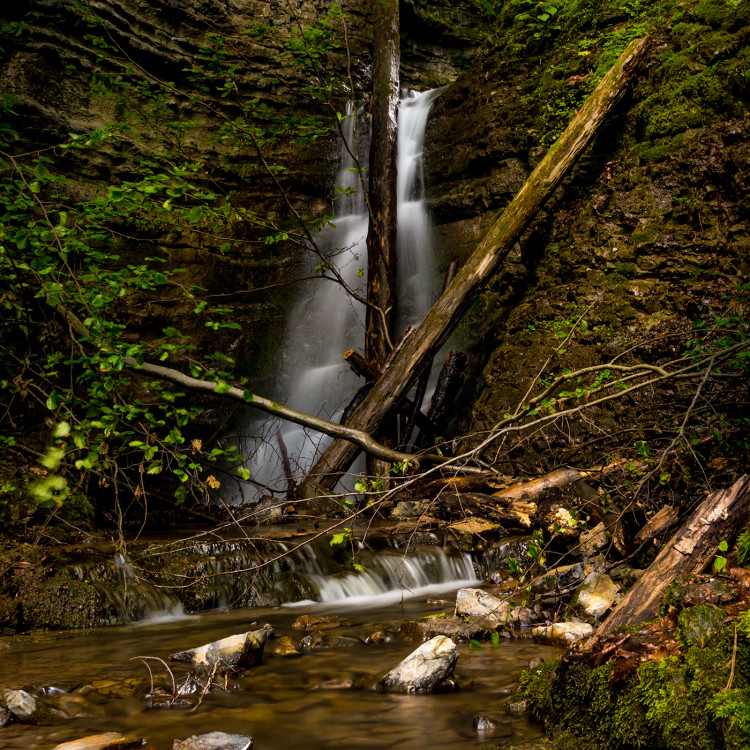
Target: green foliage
743,548
341,537
69,361
539,18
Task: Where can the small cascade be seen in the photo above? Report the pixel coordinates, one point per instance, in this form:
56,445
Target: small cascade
232,574
392,576
327,322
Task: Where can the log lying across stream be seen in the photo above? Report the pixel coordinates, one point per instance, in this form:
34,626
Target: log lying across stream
421,347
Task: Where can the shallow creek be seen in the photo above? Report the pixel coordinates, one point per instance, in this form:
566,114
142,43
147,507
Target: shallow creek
288,701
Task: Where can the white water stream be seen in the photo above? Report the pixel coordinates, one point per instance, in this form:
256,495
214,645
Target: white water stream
327,322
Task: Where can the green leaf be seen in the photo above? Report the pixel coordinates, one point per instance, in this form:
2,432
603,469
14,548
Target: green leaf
474,644
41,172
723,546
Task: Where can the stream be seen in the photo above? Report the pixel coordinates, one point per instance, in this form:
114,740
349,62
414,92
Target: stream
322,697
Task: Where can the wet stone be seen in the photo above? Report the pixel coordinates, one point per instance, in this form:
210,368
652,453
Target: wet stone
241,650
6,717
489,726
215,741
559,578
425,670
318,640
379,636
455,628
284,646
319,622
712,591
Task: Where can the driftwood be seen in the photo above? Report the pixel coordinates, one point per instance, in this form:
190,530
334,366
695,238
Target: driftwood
555,479
693,547
423,344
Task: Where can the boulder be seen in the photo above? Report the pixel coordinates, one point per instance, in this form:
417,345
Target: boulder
597,594
241,650
106,741
214,741
425,669
26,709
564,633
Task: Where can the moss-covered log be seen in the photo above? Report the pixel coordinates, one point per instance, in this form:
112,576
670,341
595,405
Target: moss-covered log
422,345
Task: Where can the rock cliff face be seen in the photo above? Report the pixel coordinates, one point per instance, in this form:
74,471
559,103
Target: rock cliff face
647,240
58,61
647,237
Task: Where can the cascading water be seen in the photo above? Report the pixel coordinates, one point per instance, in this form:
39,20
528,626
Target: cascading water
328,321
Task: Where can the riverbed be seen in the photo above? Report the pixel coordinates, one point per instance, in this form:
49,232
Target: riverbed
321,698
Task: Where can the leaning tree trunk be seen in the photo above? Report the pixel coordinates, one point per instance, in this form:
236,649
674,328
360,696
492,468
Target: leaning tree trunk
718,518
381,231
424,343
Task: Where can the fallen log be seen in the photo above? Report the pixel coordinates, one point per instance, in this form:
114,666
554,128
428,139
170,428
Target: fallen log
555,479
420,348
717,518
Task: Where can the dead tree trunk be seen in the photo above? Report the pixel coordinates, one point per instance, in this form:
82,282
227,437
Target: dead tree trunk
424,343
381,231
718,517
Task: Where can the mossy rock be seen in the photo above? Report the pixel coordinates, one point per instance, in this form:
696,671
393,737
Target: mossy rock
697,625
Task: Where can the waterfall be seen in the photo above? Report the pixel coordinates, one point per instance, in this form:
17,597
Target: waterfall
327,322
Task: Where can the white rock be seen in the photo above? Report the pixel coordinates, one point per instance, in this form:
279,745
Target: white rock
568,633
563,633
22,705
241,650
480,604
597,594
424,669
214,741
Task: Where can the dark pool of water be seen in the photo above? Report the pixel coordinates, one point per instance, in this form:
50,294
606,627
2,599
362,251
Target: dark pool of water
284,703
